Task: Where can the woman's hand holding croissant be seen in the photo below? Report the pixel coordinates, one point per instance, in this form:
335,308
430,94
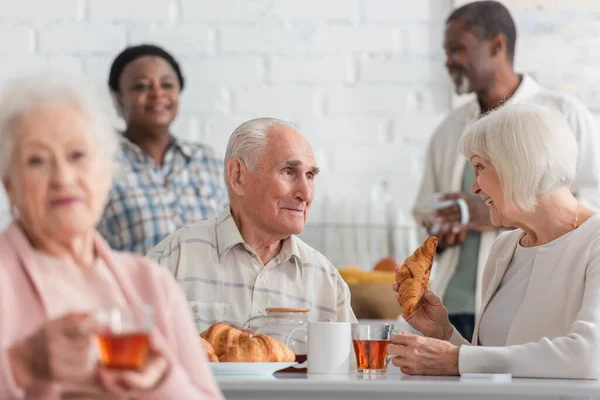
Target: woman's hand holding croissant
431,317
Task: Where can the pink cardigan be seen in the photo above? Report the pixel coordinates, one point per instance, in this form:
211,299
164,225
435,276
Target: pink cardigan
142,281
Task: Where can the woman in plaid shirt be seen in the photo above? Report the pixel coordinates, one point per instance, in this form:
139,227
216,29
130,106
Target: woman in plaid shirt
163,183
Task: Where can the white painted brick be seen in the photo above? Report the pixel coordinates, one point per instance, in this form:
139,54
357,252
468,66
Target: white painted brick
398,10
97,69
402,10
180,40
5,216
378,158
402,70
42,11
335,39
187,128
66,64
218,129
82,39
587,6
18,40
429,99
18,65
224,10
424,39
131,10
223,126
285,102
311,70
416,129
278,39
311,10
204,100
368,100
227,71
326,131
273,10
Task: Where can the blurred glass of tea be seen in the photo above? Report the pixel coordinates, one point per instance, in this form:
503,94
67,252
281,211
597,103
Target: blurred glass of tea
123,336
370,342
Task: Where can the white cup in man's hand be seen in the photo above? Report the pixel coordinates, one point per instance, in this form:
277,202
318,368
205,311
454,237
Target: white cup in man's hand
438,204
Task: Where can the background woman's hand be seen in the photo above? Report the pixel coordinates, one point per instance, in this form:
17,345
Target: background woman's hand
133,383
59,351
431,317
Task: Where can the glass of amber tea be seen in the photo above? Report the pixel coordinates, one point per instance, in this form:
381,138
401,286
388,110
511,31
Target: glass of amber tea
370,342
123,336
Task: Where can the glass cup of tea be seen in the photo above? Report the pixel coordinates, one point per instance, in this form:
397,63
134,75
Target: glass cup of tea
370,342
123,336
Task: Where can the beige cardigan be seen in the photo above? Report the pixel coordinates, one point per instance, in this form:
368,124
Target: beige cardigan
556,332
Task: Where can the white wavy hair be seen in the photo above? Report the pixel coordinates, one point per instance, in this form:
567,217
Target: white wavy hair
34,90
531,146
249,142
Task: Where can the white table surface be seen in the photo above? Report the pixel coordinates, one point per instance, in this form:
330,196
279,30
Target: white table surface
397,387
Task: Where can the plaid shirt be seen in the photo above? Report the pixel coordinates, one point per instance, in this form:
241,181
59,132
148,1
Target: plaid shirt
148,202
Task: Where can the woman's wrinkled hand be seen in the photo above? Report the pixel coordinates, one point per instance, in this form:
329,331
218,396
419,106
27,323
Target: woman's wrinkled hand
58,351
134,383
431,317
418,355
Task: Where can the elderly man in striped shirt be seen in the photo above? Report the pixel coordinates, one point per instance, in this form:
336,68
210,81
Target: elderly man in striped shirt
233,267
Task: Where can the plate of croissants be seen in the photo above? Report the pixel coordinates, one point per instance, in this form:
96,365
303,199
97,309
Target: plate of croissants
233,351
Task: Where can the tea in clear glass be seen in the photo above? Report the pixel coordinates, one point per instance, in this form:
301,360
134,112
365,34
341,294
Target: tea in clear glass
124,336
370,342
128,351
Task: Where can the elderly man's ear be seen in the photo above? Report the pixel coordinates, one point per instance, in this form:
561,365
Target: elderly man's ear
237,174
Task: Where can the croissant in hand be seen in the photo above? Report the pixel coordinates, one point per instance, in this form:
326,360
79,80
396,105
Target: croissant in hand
232,345
413,275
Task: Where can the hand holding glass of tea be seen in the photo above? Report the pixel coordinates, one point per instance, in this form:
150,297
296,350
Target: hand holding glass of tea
370,343
128,364
57,351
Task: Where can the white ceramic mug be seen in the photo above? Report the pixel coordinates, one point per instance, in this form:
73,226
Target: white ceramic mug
329,348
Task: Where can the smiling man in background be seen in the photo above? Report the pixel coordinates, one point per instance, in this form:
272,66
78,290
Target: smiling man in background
479,42
233,267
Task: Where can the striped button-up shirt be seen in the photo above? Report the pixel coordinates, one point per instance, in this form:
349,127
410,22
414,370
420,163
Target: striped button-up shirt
148,202
224,279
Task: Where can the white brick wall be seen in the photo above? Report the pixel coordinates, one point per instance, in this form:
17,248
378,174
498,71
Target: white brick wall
364,79
346,71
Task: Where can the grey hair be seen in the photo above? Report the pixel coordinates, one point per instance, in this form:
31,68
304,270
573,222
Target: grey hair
28,92
531,146
249,141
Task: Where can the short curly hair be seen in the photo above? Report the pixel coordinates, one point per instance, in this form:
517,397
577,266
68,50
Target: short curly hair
134,52
486,19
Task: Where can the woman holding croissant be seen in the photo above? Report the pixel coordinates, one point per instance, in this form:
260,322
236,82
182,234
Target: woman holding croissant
541,304
56,161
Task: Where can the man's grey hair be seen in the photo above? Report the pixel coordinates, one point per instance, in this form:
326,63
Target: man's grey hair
531,146
35,90
250,140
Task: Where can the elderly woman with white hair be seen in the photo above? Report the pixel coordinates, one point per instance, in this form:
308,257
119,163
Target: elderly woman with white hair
57,154
541,306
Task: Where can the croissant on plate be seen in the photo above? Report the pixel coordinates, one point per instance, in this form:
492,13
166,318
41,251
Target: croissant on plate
233,345
413,275
210,351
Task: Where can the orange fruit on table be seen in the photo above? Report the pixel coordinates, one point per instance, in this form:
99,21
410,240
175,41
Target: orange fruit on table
387,264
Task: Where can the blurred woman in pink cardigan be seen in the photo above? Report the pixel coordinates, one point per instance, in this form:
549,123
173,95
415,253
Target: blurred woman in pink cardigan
57,148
